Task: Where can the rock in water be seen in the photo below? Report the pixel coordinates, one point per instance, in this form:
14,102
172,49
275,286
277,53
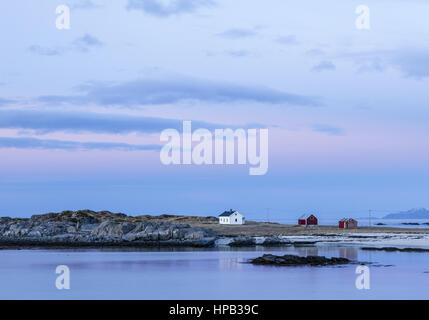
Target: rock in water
292,260
391,249
242,241
275,241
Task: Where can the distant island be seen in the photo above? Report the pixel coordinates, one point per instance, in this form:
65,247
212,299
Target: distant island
419,213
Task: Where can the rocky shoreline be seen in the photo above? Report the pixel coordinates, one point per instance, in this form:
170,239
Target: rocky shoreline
92,229
393,249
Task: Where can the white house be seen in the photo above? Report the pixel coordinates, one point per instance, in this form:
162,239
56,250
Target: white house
231,217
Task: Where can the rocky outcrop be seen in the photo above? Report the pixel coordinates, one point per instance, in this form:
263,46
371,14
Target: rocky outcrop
393,249
304,243
242,241
89,228
275,241
292,260
246,241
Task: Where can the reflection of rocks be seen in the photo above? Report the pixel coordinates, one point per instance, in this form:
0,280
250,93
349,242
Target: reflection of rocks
308,251
80,228
228,264
348,252
292,260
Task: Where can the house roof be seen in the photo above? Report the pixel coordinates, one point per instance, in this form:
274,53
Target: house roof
347,219
227,213
306,216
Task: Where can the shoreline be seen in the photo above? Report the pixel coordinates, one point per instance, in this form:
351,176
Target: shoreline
391,242
266,229
89,229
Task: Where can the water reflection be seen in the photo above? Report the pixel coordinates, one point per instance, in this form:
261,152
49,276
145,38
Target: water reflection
208,274
350,253
227,264
308,251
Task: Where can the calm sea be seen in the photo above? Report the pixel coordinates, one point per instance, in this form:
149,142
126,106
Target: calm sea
208,274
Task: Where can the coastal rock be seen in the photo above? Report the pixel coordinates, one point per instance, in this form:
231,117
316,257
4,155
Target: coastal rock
138,227
242,241
293,260
304,243
71,229
35,234
175,232
393,249
275,241
89,228
5,220
164,233
86,227
205,242
195,234
113,229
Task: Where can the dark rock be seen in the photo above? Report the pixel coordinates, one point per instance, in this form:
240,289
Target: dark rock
275,241
195,234
293,260
89,228
204,243
392,249
304,243
242,241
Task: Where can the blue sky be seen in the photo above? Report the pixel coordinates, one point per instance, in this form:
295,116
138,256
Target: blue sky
81,110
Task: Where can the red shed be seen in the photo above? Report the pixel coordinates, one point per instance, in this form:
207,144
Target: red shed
347,223
307,220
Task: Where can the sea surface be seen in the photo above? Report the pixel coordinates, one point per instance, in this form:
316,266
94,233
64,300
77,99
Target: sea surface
218,273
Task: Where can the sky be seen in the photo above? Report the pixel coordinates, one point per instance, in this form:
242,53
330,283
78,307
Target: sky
82,109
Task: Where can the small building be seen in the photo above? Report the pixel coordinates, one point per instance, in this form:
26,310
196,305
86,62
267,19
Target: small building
347,223
308,220
231,217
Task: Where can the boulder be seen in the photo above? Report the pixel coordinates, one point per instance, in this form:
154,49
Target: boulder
242,241
194,234
112,229
275,241
164,233
293,260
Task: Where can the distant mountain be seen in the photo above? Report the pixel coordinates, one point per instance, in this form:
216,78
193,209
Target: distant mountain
419,213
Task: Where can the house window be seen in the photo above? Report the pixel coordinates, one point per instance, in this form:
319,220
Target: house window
235,220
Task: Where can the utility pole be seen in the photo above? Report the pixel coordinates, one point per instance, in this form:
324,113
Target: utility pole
268,215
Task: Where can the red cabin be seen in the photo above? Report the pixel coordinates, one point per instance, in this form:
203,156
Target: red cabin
347,223
308,220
